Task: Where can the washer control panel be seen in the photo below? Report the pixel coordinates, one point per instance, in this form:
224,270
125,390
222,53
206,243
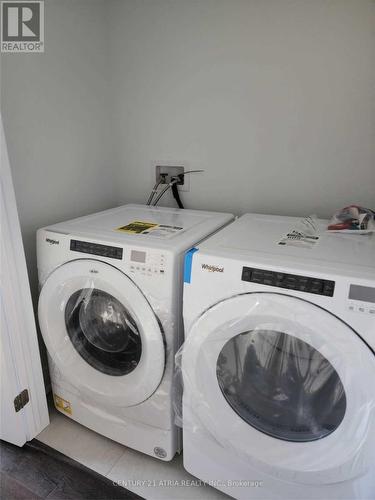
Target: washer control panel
96,249
149,263
289,281
362,299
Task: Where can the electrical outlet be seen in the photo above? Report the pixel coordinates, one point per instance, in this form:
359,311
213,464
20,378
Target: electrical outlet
166,172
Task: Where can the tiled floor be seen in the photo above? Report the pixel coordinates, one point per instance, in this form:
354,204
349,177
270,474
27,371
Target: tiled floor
148,477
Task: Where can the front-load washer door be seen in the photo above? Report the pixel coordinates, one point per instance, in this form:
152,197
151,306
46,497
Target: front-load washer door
283,384
101,332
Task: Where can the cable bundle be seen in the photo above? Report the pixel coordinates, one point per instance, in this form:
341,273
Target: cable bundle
173,184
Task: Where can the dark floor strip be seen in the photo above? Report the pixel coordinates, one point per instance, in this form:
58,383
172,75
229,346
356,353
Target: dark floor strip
37,471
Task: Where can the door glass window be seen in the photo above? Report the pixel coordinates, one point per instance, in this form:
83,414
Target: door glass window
281,385
103,331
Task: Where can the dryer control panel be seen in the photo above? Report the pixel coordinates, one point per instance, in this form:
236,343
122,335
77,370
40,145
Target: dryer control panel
289,281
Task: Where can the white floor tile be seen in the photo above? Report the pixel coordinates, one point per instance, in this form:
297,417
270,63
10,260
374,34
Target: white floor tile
77,442
148,477
154,479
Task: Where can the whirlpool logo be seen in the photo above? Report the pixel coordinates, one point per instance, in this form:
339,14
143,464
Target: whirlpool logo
52,242
212,269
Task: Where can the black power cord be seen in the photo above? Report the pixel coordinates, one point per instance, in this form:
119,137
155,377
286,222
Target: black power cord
175,192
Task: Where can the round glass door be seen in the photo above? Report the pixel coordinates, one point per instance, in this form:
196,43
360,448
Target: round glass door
281,385
103,331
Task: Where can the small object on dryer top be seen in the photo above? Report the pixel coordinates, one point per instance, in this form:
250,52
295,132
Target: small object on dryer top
353,219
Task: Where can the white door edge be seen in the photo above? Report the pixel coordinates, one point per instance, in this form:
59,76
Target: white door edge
19,337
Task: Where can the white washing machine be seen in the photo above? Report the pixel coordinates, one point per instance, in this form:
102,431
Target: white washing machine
278,363
110,315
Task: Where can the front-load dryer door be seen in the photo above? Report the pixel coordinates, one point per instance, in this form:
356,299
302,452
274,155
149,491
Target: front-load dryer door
101,332
283,384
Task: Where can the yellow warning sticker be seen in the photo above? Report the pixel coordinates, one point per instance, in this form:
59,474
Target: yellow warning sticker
137,227
62,404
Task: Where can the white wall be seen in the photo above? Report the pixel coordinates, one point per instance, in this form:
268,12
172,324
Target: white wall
273,98
57,123
56,119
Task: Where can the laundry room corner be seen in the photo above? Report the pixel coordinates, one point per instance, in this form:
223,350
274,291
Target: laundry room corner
57,121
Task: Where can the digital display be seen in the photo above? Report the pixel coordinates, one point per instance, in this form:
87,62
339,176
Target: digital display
137,256
364,293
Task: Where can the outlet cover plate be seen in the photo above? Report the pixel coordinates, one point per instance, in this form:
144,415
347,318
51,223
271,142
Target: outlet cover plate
170,171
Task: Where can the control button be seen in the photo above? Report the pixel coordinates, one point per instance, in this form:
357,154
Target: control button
268,274
246,274
361,309
316,286
351,308
290,278
290,282
371,311
257,276
329,288
268,281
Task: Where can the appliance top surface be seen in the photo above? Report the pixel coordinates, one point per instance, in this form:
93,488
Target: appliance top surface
256,238
160,226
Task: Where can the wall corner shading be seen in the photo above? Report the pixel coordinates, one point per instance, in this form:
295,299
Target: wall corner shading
188,263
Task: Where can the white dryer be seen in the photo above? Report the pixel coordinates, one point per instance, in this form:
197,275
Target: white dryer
278,363
110,315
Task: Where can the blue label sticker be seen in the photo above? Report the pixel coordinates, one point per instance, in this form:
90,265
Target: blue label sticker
188,263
